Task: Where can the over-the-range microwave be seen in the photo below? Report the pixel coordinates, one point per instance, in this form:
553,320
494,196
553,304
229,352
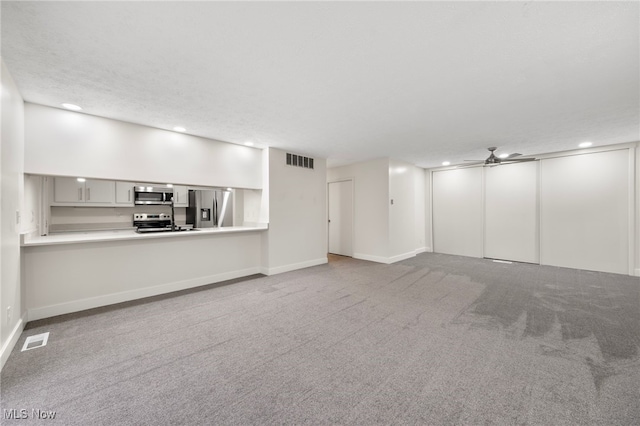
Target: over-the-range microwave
152,195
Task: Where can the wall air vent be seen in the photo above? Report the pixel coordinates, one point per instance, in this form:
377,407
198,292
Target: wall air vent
299,161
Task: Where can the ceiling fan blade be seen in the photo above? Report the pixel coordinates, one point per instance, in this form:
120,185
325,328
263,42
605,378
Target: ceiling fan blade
464,166
515,154
477,161
516,160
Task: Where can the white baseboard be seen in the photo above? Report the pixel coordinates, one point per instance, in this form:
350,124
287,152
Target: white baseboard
370,258
125,296
403,256
12,340
637,272
385,260
428,249
421,250
293,266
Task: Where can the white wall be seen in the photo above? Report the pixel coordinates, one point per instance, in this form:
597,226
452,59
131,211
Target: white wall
402,213
66,143
32,204
371,211
385,232
66,278
297,235
11,168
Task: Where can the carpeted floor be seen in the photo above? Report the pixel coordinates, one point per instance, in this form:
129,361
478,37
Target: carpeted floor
434,340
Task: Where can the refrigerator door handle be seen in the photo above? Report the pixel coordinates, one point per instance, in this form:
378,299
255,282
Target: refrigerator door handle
215,210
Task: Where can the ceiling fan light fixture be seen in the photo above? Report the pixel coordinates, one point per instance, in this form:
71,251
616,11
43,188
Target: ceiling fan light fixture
503,155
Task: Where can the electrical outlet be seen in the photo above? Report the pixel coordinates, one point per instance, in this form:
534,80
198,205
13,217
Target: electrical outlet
9,314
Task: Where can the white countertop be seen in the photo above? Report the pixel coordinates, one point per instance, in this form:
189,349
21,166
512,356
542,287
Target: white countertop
97,236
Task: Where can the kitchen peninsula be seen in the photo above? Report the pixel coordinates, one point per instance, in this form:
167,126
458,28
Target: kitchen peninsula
70,272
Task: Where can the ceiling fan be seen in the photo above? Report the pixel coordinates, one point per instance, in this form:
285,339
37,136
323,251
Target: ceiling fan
494,160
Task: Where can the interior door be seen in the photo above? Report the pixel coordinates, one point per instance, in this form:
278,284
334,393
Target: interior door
457,211
511,212
341,218
584,211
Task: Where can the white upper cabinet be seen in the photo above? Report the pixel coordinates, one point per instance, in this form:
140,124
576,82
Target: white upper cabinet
99,191
70,191
124,194
180,196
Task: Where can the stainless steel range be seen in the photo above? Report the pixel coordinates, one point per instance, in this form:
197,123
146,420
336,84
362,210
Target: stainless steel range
152,222
157,222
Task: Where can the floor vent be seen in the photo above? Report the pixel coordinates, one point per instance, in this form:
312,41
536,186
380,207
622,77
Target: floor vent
37,341
299,161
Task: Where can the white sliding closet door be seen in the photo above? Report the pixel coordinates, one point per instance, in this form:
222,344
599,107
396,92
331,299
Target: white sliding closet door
584,211
511,212
457,211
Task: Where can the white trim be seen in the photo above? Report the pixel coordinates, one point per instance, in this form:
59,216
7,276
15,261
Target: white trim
125,296
421,250
293,266
370,258
385,260
637,272
403,256
12,340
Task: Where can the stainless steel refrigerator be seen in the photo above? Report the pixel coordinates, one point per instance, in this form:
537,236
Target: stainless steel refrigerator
210,208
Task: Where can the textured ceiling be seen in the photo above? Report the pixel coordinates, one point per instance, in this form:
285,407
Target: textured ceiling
422,82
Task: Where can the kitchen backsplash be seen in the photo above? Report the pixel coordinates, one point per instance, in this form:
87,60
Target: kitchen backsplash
64,219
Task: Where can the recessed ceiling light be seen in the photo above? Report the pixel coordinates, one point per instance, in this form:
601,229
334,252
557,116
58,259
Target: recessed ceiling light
72,107
446,163
248,143
81,179
585,144
503,155
179,129
169,185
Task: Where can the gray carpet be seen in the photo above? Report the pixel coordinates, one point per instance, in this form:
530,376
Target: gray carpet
432,340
